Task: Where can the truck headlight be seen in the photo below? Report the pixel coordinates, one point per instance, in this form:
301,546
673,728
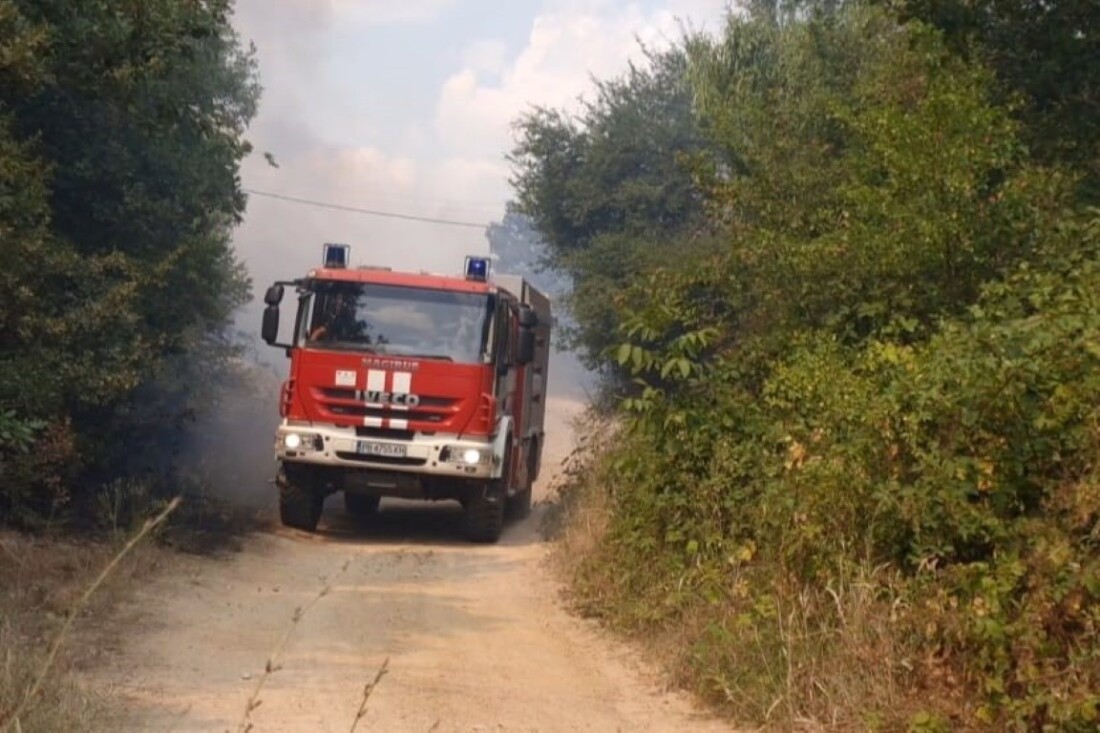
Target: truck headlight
461,455
302,441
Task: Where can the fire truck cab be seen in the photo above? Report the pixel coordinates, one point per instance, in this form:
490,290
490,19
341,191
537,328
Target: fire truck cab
410,385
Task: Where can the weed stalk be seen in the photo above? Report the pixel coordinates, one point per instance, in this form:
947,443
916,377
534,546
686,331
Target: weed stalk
11,719
272,666
367,690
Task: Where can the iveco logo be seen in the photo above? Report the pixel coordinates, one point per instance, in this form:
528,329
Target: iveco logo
389,398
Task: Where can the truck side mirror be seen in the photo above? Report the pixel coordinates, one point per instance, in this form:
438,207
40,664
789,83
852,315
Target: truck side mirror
274,295
527,317
269,332
526,347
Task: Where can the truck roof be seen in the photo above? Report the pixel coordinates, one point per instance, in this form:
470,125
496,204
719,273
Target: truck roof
381,276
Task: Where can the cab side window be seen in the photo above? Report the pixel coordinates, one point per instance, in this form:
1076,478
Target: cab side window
504,332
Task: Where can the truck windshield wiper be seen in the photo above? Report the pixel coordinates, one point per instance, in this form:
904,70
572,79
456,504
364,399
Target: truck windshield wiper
341,346
441,357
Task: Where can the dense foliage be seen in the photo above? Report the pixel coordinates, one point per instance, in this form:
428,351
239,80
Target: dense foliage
121,130
608,191
1047,59
859,477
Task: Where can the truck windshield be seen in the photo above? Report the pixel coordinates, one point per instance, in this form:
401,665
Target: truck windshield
390,319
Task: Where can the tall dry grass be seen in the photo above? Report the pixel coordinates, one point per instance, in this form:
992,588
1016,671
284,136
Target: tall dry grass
35,694
61,704
800,659
579,510
796,658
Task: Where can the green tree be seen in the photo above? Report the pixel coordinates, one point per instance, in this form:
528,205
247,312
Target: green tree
871,180
1047,58
609,188
124,125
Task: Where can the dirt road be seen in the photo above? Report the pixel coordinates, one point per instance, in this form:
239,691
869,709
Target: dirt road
476,637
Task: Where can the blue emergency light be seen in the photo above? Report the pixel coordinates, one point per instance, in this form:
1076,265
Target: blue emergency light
477,268
336,255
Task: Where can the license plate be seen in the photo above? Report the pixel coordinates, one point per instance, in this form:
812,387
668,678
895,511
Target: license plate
389,450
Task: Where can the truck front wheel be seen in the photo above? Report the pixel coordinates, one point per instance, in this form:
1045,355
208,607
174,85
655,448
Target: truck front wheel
300,499
483,519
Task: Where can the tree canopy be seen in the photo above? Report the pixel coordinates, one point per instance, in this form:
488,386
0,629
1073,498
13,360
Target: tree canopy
1046,56
606,187
121,131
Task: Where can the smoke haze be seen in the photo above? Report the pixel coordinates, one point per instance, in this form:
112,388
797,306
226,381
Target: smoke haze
403,108
407,108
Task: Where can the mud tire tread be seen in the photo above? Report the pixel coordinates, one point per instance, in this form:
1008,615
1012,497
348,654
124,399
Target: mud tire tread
483,519
300,502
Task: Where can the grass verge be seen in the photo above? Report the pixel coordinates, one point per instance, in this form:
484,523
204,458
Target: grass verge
42,583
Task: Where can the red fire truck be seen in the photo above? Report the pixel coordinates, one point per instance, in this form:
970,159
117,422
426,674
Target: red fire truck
411,385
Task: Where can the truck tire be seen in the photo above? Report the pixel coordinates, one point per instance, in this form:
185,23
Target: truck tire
519,505
300,500
483,518
361,505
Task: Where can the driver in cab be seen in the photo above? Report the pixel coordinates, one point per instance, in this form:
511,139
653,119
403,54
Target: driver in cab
336,320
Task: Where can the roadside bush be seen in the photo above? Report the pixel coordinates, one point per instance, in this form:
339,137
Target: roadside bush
919,522
857,482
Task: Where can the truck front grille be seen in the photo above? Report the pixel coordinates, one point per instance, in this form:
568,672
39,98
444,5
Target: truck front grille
385,433
347,403
381,460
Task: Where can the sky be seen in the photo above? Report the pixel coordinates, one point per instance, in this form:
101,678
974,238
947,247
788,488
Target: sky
407,107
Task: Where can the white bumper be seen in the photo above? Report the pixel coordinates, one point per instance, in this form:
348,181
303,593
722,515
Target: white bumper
437,455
